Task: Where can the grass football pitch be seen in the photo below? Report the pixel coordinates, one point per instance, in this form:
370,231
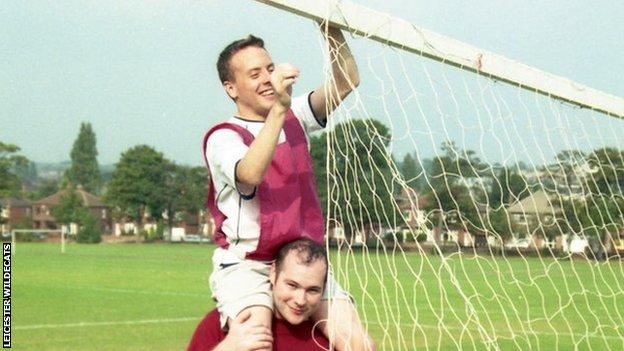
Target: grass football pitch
151,297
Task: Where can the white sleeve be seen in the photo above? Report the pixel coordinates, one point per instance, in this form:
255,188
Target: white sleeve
303,111
224,149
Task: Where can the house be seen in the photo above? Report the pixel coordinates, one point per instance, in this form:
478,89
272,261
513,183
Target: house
43,219
411,205
461,237
14,212
571,243
183,223
195,223
126,225
618,244
207,226
337,234
533,208
417,221
536,214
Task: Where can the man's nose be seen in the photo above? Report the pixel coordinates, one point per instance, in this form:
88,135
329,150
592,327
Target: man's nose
300,297
266,76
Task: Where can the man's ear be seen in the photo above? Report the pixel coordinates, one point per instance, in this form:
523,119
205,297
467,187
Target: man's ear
230,89
273,274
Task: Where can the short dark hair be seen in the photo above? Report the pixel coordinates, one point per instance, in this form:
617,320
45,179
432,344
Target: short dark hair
223,63
307,250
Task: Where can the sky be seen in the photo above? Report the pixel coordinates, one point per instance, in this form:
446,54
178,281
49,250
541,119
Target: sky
143,71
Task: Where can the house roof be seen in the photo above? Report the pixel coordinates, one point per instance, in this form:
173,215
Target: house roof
14,202
89,200
537,202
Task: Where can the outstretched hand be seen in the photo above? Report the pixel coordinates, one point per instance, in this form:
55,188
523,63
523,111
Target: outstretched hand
282,79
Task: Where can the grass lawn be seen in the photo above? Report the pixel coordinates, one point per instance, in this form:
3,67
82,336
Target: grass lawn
151,296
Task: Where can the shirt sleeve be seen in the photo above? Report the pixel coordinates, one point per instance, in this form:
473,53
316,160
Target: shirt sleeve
208,333
303,111
224,149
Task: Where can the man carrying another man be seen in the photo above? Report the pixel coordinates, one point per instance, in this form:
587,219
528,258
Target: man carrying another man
297,278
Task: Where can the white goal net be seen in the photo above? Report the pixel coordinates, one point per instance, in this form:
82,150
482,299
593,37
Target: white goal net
473,202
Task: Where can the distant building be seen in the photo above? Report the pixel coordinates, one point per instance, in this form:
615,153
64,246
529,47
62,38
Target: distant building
567,182
183,223
535,207
618,243
14,212
43,219
538,208
411,205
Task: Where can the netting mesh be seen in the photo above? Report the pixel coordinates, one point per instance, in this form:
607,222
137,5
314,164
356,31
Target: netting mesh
471,214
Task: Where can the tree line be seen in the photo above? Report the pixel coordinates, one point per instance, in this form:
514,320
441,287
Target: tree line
361,187
585,191
143,183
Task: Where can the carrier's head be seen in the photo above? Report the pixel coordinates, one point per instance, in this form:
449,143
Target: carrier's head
245,69
298,277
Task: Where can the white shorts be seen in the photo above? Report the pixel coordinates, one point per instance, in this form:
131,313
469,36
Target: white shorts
238,286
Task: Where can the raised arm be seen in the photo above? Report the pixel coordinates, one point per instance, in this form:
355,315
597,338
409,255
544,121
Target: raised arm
250,170
343,80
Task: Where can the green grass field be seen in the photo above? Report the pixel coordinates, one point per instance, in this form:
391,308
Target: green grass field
150,297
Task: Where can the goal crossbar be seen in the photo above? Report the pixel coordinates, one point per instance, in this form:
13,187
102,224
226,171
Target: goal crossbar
401,34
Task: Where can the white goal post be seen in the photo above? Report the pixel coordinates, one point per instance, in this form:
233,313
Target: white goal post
48,231
399,33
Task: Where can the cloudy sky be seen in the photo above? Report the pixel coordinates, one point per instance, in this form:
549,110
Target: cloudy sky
142,71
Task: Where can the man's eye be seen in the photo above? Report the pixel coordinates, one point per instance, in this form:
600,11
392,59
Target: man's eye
254,76
292,285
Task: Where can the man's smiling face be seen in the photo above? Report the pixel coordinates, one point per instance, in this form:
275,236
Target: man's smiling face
251,87
297,288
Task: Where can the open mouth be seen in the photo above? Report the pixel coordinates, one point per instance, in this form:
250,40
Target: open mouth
267,93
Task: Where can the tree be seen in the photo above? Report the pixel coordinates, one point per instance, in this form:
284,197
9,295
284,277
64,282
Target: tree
595,215
410,170
70,208
186,189
604,203
45,188
499,223
509,186
10,184
454,200
361,178
84,168
26,171
460,163
568,160
609,176
139,183
598,213
90,231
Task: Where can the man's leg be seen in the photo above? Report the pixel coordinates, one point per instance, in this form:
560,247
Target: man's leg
242,287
